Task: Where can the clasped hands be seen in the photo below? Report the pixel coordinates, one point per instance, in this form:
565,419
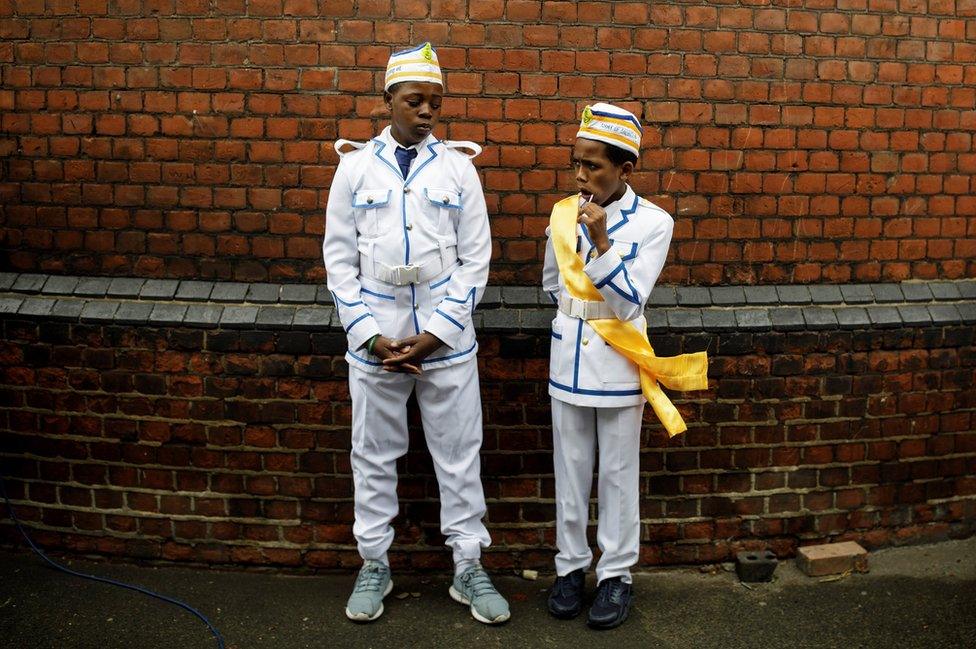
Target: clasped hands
404,355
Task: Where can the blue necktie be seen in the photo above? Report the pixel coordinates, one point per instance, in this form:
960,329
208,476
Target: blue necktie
404,158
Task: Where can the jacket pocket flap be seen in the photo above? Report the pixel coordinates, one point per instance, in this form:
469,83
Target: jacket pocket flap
366,199
448,198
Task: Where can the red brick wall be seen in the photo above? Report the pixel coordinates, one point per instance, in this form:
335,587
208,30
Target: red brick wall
816,141
231,446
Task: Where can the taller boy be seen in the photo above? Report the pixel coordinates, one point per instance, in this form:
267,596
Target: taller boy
406,249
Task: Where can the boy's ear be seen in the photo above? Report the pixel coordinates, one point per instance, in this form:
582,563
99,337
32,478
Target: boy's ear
388,99
626,169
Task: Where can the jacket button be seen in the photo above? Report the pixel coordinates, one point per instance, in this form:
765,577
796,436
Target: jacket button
585,341
446,200
369,201
410,226
406,190
415,306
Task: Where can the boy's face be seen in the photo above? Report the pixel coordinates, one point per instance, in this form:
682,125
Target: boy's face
596,174
414,109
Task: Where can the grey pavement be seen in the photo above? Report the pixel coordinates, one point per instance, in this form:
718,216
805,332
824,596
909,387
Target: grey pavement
918,596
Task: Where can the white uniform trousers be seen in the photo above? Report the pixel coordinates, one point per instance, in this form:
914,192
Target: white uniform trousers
576,432
450,409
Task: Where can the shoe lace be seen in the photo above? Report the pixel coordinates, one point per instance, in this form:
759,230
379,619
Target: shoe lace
369,580
478,582
564,586
611,592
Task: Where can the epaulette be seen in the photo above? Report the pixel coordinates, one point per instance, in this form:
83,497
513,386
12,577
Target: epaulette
356,146
461,145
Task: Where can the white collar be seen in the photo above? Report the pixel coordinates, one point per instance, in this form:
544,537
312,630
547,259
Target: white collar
625,200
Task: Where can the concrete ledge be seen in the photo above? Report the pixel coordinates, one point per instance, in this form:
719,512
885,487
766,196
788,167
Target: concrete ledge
723,309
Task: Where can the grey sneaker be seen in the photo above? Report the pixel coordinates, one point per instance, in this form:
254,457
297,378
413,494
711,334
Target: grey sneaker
473,587
372,585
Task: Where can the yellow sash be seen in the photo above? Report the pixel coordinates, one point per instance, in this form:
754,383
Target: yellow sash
684,372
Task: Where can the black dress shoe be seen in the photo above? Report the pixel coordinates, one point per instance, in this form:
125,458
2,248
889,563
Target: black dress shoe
612,604
566,596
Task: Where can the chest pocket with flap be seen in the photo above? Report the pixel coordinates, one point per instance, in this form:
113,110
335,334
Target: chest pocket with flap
370,204
447,202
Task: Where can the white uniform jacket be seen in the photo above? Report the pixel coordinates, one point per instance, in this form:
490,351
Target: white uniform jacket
583,369
407,255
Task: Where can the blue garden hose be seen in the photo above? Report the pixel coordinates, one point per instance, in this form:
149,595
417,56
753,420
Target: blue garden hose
145,591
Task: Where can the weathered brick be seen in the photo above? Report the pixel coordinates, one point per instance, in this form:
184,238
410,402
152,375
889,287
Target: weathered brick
832,559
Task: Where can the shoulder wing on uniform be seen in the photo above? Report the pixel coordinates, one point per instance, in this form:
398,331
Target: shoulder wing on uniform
341,147
656,209
468,149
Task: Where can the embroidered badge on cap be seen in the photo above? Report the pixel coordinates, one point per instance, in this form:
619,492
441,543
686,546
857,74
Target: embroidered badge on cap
587,116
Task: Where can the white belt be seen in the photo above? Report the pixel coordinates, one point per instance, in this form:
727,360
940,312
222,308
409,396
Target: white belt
401,275
585,309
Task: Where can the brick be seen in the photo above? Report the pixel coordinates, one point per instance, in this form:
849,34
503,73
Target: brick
662,296
133,313
29,283
753,319
229,292
194,291
125,287
693,296
167,314
728,295
263,293
275,317
159,289
832,559
239,316
36,306
794,294
98,311
914,316
819,318
884,316
761,295
787,319
857,294
944,314
203,315
825,294
719,321
297,294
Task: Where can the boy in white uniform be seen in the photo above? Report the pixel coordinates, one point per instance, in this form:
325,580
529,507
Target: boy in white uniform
597,391
406,250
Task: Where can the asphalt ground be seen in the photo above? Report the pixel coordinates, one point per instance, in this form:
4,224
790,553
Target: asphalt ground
917,596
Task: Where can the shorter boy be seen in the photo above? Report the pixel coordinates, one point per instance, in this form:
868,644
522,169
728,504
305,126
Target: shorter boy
601,365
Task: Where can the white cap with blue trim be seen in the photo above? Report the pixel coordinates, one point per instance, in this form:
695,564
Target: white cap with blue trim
611,124
416,64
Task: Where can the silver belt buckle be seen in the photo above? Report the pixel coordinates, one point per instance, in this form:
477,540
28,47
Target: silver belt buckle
409,274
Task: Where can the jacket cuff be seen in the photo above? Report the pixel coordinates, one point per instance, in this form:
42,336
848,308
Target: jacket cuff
362,329
445,327
603,266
